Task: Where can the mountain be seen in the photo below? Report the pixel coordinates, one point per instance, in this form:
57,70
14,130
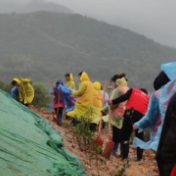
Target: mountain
42,45
41,5
9,6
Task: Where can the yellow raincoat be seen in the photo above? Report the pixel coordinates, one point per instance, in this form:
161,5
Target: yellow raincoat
71,84
97,101
84,96
25,90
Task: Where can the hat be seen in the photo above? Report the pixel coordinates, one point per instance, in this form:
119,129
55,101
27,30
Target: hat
17,80
58,81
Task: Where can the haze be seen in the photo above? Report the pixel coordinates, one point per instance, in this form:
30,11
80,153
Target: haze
152,18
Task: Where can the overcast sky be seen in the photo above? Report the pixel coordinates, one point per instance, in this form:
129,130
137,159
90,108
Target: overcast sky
153,18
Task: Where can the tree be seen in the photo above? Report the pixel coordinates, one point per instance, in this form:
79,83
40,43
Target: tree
41,95
5,86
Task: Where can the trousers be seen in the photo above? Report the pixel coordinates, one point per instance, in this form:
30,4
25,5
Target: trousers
130,117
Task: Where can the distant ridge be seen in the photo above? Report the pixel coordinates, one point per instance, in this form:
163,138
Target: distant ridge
44,45
41,5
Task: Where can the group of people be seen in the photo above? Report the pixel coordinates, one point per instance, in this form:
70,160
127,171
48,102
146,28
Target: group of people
127,109
157,113
84,102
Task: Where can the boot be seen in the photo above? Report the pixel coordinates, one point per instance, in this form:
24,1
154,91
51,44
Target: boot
139,154
115,148
125,149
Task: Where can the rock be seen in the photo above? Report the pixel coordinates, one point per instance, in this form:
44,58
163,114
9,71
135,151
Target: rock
94,173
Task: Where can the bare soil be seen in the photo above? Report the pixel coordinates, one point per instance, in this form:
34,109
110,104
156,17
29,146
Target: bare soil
147,167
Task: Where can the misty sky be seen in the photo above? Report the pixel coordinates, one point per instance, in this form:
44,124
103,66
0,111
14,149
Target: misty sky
153,18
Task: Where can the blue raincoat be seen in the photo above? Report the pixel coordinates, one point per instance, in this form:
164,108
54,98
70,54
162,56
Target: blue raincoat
68,99
154,118
106,98
14,93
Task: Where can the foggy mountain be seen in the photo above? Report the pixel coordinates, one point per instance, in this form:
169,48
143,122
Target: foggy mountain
152,18
11,6
41,5
42,45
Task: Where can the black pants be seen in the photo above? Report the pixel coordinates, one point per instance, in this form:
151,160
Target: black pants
93,127
59,112
25,104
116,134
130,117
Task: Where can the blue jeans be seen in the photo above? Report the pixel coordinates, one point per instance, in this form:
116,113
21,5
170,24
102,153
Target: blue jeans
116,145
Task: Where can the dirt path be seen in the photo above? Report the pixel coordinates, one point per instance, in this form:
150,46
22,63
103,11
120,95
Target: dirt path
147,167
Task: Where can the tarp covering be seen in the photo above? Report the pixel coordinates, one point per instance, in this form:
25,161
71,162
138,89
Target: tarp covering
29,146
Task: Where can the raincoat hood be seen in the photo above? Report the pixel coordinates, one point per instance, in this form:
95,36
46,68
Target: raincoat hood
167,74
84,77
170,70
17,80
71,77
121,82
58,81
97,86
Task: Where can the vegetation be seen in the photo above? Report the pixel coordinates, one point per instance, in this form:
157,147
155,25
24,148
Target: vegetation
42,45
41,95
41,98
84,135
5,86
120,170
85,139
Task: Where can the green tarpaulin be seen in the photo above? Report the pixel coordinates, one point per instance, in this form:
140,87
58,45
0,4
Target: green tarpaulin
29,146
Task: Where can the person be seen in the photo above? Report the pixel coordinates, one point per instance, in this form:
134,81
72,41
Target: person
58,101
165,87
25,90
173,173
69,79
14,93
135,109
116,111
166,154
115,77
106,98
69,100
97,104
84,95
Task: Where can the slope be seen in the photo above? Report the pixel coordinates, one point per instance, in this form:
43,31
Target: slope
29,146
45,44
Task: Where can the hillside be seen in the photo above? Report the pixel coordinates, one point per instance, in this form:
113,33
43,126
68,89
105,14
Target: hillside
41,5
44,44
11,6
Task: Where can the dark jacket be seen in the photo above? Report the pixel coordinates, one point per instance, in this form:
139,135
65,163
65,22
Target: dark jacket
166,154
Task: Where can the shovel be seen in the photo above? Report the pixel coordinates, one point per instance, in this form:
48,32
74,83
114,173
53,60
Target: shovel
110,144
98,141
56,119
